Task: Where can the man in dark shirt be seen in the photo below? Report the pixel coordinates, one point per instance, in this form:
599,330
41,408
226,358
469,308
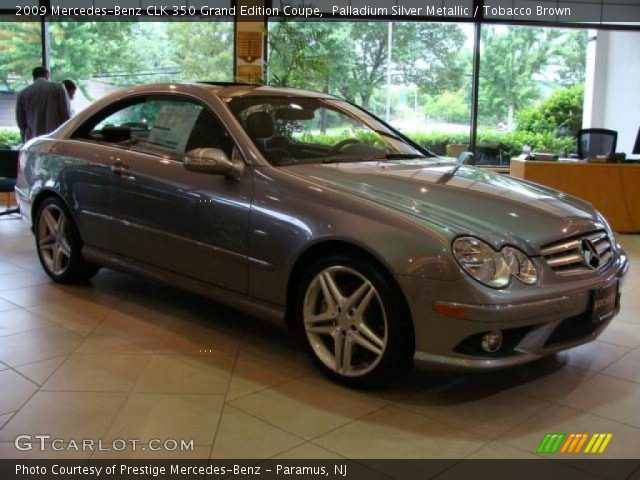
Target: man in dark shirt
42,106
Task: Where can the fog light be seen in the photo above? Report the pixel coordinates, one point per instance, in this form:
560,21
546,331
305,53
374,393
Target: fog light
492,341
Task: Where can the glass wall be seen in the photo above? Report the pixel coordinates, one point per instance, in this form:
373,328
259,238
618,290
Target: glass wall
422,85
103,56
20,52
531,91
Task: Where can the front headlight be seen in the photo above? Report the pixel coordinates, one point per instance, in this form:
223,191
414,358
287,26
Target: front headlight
492,268
520,265
482,262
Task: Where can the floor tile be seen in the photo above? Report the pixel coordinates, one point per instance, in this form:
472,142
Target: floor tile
98,372
10,281
7,305
554,418
124,333
622,333
306,410
608,397
35,295
626,368
243,436
65,415
39,372
187,374
79,315
308,451
489,414
163,416
37,345
252,374
550,381
394,433
5,418
501,451
18,321
592,356
15,390
194,337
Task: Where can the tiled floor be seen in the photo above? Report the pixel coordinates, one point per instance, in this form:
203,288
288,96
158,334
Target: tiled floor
122,357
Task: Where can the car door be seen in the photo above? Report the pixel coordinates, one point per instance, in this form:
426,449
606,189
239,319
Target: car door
192,223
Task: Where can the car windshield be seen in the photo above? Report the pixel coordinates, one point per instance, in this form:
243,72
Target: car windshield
290,130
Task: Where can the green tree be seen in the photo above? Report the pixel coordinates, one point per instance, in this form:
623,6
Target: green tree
20,52
560,114
202,50
350,59
450,107
511,61
572,58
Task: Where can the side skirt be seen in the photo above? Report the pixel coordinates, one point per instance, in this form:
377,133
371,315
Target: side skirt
248,305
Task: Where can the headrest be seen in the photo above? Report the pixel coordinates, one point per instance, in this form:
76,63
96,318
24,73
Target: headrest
260,125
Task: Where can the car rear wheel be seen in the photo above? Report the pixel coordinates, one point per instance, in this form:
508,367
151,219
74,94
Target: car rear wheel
58,244
354,323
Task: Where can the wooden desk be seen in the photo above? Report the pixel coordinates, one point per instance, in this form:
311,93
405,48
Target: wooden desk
612,188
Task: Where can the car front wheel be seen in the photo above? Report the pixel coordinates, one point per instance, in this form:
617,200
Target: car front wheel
354,322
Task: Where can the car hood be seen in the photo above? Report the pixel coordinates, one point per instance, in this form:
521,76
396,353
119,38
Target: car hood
462,199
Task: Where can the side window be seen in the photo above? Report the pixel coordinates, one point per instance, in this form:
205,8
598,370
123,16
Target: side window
167,127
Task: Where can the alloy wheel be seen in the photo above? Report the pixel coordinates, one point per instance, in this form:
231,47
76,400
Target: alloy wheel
54,239
345,321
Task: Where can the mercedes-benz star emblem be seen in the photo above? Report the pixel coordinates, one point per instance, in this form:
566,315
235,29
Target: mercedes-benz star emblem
590,254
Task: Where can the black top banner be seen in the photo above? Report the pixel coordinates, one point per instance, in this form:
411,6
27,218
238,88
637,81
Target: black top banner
611,12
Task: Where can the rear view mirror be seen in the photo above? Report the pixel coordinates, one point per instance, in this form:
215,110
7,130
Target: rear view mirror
214,161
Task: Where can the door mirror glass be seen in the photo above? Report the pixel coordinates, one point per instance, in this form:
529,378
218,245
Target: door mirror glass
212,160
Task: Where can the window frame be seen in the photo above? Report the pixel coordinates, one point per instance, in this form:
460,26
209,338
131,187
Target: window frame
140,98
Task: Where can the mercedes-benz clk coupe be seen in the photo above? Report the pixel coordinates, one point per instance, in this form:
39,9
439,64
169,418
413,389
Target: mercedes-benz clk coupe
301,207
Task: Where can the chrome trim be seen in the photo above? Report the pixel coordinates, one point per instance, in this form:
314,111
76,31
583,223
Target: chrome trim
573,257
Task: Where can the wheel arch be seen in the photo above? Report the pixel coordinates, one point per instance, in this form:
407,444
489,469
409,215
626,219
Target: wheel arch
40,197
326,247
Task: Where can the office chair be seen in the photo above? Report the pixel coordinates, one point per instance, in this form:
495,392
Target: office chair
596,141
8,176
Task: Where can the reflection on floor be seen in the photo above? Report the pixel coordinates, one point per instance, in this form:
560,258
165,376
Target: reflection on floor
125,358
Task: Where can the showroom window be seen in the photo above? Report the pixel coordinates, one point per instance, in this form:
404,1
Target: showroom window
104,56
423,88
20,52
531,91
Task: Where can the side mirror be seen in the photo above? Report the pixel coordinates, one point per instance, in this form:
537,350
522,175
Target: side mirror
213,160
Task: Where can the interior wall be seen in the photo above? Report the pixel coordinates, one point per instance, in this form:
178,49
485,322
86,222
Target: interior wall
612,92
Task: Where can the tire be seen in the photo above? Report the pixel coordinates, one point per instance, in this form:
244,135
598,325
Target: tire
59,245
362,336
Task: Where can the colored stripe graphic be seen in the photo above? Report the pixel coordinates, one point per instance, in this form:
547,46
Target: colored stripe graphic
550,443
574,442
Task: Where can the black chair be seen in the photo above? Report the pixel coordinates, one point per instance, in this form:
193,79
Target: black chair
8,176
636,146
596,141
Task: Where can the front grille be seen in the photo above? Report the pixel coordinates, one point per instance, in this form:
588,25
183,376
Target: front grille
567,258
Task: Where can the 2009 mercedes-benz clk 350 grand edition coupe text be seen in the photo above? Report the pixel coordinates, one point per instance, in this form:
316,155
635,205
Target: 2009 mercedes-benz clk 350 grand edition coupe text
304,208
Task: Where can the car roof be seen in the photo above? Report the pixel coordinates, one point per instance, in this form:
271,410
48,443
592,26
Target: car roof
230,89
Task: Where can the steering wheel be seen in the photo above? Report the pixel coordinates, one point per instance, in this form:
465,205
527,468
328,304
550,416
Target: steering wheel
340,145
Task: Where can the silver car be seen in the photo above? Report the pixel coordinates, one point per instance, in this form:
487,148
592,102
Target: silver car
303,208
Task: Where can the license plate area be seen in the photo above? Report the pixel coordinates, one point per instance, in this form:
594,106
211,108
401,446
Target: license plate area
604,303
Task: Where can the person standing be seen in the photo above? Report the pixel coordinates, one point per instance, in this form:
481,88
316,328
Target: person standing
70,87
42,106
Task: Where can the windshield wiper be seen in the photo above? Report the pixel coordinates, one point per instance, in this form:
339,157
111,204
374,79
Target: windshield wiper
404,156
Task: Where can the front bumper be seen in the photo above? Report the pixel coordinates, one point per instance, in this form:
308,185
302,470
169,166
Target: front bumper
535,321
